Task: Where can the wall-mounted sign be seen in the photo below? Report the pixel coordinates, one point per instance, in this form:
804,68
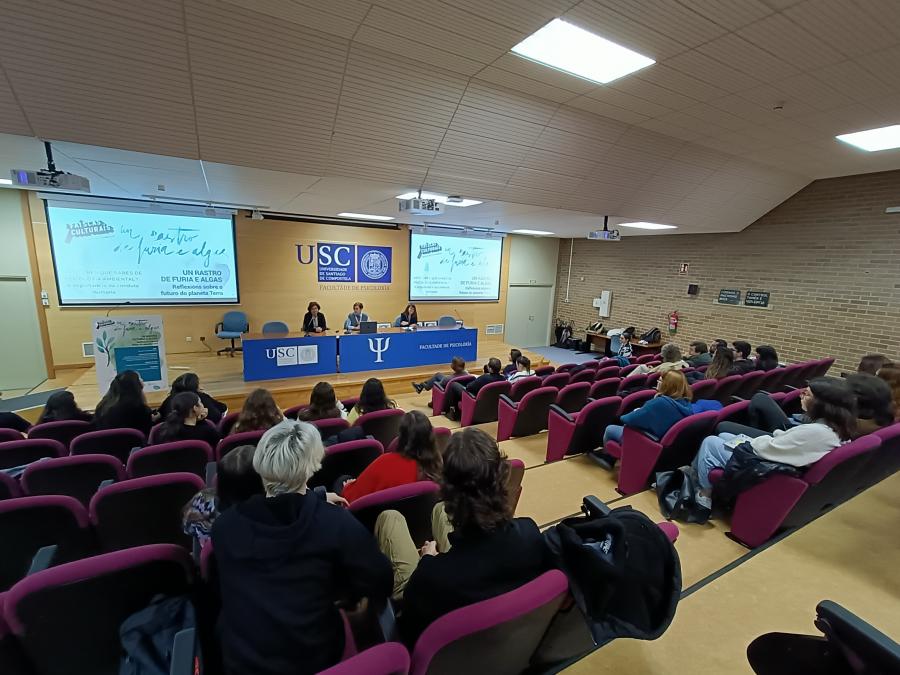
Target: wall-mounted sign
728,296
683,269
757,299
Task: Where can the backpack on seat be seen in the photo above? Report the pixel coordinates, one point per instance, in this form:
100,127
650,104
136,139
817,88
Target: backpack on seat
149,635
651,336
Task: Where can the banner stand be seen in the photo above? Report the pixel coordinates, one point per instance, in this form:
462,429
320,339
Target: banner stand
130,343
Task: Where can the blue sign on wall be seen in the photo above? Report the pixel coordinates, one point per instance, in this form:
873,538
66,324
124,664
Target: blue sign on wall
276,358
336,262
402,350
373,264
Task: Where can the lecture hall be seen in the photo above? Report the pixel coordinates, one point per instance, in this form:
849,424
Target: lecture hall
391,337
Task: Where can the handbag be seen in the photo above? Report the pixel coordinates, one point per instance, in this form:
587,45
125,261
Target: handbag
677,494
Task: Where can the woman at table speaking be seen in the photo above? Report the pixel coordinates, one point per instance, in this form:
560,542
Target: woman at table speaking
314,320
409,317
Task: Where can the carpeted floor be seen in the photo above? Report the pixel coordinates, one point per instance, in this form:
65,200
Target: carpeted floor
558,355
27,401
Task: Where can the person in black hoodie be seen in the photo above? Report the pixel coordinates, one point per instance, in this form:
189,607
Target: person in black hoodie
124,405
285,559
190,382
492,373
186,421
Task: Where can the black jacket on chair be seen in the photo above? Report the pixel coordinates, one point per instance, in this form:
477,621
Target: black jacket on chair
309,324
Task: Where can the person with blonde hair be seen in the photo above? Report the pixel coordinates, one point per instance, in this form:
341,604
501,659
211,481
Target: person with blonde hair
671,360
671,404
287,558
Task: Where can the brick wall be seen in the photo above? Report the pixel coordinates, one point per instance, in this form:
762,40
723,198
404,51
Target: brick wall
829,255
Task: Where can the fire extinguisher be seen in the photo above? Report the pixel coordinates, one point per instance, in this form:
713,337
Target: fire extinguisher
673,322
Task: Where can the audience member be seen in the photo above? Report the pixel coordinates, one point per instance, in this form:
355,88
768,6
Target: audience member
626,351
416,458
236,482
700,355
323,404
891,375
671,404
766,358
9,420
742,361
871,363
372,397
492,373
259,413
671,360
124,405
286,559
716,344
874,403
828,403
457,368
61,406
186,421
523,369
480,551
190,382
511,367
721,365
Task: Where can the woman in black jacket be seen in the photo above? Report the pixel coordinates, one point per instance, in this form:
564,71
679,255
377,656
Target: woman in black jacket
61,406
313,320
186,421
190,382
124,405
286,559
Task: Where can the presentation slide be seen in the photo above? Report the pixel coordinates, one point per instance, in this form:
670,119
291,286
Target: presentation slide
111,255
451,267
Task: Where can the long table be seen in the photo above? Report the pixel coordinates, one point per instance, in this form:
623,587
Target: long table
602,341
279,356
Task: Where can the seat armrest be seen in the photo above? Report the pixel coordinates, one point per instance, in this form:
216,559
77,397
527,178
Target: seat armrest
468,393
108,481
210,473
562,413
219,327
508,401
183,649
593,506
43,559
737,399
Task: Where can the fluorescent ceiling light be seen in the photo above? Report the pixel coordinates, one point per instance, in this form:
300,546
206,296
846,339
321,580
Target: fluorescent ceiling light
440,199
648,226
567,47
536,233
5,181
365,216
873,140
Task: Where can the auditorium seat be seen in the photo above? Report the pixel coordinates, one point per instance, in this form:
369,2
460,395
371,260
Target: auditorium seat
387,658
346,459
439,392
790,402
781,501
726,388
514,483
652,380
227,422
632,382
25,451
275,327
330,426
543,371
116,442
626,371
704,389
605,372
9,487
734,412
526,417
586,375
573,396
63,431
566,367
414,500
12,659
77,476
497,636
750,384
143,511
176,457
558,380
822,367
67,618
635,401
642,455
646,358
382,425
483,407
10,435
523,386
292,412
27,524
885,461
774,380
233,441
604,388
154,439
441,439
582,431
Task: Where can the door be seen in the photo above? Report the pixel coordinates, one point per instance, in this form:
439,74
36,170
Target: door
528,311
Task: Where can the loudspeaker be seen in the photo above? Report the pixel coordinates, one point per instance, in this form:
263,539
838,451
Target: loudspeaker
693,289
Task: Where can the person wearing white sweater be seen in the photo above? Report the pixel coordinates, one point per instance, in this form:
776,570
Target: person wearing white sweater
831,406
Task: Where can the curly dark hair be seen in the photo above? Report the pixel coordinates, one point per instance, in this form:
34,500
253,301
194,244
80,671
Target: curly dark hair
259,413
474,482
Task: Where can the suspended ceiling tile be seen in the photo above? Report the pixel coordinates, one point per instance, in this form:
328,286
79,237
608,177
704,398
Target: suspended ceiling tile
565,144
628,102
440,17
532,178
337,18
556,162
608,23
672,19
671,129
495,126
527,85
812,92
470,167
525,16
646,90
607,110
787,40
481,147
748,58
730,14
587,124
670,78
416,51
537,71
508,102
844,24
850,78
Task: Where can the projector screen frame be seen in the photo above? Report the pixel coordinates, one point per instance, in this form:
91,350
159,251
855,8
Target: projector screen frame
86,199
447,232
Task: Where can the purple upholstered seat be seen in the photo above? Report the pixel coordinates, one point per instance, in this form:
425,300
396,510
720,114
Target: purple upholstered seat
646,358
790,402
346,459
543,371
635,401
329,426
382,425
496,636
822,367
154,437
574,433
143,511
627,370
558,380
228,421
727,387
566,367
12,659
26,451
750,384
9,487
439,392
573,396
414,500
292,412
175,457
586,375
642,455
233,441
77,476
885,461
523,386
482,407
30,523
605,372
514,482
735,412
528,416
441,439
10,435
387,658
116,442
704,389
604,388
63,431
67,618
632,382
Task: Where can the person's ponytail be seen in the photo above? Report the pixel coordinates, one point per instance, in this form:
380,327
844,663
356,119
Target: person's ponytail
182,405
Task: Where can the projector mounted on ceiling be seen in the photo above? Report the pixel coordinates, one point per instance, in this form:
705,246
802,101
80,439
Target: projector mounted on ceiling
605,234
420,207
49,177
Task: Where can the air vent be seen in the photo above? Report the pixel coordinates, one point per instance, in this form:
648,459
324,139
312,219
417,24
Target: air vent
493,329
87,350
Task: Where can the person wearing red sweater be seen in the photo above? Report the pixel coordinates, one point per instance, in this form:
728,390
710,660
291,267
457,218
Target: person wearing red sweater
416,458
